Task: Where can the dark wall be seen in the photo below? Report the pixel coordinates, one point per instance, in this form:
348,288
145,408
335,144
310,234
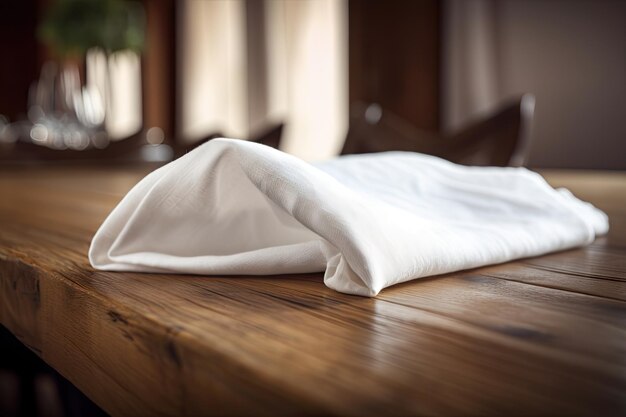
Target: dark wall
394,57
19,54
159,66
572,55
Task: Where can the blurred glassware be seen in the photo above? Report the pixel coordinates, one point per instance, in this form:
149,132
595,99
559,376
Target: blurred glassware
64,113
8,134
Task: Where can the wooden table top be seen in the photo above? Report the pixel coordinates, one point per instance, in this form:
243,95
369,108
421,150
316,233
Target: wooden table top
545,335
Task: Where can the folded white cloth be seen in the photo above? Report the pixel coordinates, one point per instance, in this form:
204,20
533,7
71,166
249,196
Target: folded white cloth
369,221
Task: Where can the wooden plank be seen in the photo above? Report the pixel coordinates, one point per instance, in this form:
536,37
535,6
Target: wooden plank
550,278
539,336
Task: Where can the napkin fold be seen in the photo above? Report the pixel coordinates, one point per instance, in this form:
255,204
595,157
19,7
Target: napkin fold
369,221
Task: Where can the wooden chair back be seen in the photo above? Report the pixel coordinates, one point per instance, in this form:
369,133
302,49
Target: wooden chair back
500,139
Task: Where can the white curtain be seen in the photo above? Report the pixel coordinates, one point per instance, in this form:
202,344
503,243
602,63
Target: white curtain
212,68
117,80
300,78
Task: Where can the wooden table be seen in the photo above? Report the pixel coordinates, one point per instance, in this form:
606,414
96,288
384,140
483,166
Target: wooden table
540,336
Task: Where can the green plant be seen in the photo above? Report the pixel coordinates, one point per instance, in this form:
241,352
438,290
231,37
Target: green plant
71,27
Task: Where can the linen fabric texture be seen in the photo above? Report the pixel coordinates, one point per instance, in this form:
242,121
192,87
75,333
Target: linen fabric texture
232,207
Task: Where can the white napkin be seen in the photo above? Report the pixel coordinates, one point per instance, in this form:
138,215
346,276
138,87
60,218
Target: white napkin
369,221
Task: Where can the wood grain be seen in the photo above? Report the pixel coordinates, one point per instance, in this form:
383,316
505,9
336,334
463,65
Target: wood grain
540,336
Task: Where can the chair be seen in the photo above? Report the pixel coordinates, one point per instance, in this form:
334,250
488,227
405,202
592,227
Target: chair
269,136
501,139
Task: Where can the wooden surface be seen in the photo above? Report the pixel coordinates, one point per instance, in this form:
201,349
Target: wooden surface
540,336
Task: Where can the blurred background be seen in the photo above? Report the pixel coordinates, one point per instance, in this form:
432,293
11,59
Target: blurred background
146,80
509,82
